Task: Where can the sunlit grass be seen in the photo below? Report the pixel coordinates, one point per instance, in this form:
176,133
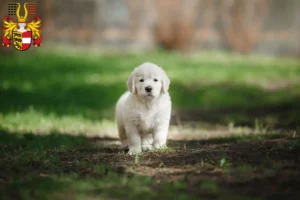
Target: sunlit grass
76,93
34,121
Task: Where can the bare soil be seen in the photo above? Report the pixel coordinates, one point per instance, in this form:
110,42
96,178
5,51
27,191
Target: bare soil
267,168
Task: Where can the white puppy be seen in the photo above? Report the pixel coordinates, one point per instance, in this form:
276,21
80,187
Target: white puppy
143,114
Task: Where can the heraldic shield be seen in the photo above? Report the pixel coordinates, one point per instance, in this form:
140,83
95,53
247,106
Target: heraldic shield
22,40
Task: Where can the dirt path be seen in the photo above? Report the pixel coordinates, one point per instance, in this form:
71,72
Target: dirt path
266,168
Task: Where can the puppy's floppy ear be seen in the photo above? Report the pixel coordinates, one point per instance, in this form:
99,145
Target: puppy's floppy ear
165,81
131,83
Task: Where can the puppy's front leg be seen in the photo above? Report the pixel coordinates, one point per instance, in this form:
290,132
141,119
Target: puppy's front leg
160,135
134,139
147,141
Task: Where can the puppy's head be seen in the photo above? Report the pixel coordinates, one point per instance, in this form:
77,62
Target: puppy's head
148,81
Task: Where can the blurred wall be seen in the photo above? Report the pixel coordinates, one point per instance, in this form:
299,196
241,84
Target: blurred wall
260,26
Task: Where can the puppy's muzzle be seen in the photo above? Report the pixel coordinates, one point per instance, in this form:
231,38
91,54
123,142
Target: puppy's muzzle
148,89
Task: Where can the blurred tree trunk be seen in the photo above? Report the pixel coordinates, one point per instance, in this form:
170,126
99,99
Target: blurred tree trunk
242,21
176,23
47,23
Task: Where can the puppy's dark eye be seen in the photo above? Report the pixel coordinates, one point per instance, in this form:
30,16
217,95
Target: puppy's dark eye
141,80
155,80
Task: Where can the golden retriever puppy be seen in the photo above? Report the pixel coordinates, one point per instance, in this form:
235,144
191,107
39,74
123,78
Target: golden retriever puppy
143,113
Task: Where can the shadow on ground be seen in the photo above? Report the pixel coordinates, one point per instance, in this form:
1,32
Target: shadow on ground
60,166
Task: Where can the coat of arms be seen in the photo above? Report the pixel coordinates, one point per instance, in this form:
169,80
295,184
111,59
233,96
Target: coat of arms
21,33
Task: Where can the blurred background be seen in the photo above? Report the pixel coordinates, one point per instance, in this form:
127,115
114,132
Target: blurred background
234,67
257,26
231,62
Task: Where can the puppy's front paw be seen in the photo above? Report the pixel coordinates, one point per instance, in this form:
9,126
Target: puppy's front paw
134,150
157,145
147,147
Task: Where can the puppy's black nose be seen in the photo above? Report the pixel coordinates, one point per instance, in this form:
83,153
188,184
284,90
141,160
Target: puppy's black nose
148,88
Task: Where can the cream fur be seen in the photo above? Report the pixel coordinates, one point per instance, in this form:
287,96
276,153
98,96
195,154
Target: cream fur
143,117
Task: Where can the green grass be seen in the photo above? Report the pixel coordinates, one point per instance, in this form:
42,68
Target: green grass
49,103
45,92
295,145
73,187
162,149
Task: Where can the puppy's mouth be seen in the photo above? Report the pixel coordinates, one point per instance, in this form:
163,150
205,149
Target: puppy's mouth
149,95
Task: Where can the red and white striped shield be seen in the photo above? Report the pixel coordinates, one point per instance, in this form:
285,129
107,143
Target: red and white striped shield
22,41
